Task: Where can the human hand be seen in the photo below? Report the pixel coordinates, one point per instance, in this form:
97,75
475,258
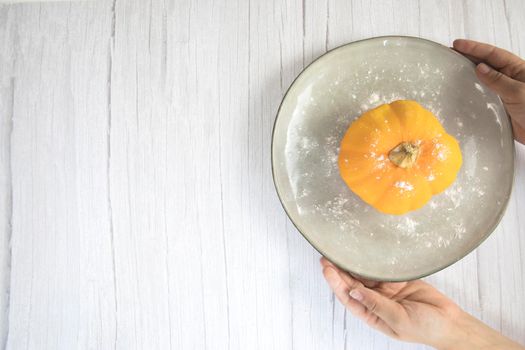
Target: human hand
412,311
502,72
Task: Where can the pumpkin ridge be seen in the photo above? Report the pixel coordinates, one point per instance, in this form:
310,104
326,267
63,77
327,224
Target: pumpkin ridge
385,192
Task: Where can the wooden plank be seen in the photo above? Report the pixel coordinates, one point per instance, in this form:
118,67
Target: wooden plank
62,289
6,127
166,176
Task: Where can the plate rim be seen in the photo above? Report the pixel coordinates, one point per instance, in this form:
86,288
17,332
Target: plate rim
488,232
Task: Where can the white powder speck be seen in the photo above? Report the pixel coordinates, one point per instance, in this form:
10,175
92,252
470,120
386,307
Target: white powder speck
440,152
407,226
380,165
333,157
373,98
479,87
308,144
455,194
304,193
330,140
442,242
459,230
411,224
486,168
492,107
406,186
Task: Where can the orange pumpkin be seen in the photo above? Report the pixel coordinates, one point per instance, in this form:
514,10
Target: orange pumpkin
396,156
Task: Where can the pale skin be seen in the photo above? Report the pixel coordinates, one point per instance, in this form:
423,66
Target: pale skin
504,73
415,311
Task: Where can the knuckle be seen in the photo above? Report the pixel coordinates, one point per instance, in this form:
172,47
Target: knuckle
497,77
520,70
372,306
451,310
354,285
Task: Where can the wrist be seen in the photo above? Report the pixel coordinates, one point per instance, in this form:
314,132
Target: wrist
467,332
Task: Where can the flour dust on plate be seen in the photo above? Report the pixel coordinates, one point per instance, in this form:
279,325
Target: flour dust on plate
317,110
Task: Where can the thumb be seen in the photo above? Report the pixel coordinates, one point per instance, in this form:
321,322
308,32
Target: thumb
386,309
510,90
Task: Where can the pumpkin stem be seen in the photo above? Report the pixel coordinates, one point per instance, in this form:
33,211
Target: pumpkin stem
405,154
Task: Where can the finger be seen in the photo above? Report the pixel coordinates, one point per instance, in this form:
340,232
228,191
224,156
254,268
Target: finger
350,280
325,262
375,322
341,291
510,90
337,280
519,131
498,58
368,283
354,282
474,60
386,309
336,283
391,289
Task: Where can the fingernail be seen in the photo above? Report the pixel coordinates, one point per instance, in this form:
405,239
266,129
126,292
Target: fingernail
483,68
357,295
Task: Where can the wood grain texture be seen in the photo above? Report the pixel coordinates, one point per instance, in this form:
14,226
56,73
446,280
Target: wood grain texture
62,289
135,176
6,127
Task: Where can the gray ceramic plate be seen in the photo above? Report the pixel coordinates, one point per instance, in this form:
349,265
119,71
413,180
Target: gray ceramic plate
314,115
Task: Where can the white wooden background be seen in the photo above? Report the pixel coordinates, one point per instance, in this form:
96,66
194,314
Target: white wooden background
137,209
